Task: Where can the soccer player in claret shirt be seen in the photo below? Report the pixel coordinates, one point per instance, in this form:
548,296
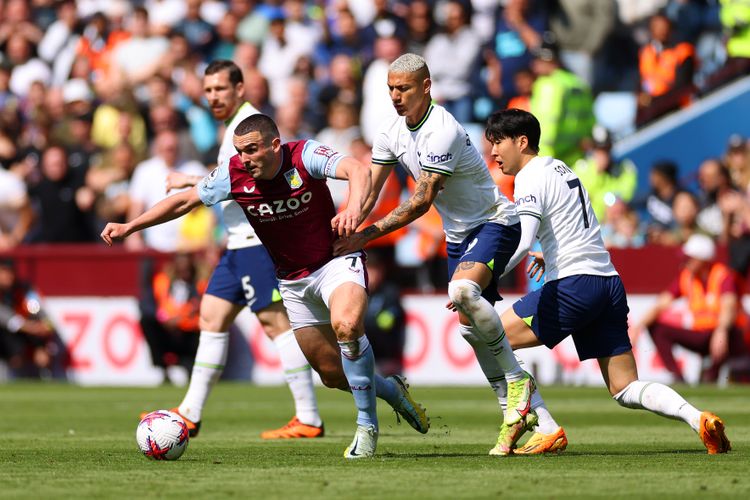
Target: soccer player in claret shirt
244,277
282,191
480,224
583,295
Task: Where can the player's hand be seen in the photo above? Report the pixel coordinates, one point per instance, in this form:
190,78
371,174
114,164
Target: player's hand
346,222
113,232
451,306
349,244
536,266
176,180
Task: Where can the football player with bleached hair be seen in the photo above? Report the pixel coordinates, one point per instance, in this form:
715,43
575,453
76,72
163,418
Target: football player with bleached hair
480,224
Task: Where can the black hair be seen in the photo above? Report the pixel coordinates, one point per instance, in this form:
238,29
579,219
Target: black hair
667,169
258,123
235,73
513,123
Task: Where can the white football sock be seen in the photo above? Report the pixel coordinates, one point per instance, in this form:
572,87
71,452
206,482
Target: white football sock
467,297
660,399
298,375
496,378
209,363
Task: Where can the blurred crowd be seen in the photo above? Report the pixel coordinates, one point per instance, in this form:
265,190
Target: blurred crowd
101,97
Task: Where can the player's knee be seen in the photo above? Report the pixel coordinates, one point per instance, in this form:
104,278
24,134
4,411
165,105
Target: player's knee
346,329
463,292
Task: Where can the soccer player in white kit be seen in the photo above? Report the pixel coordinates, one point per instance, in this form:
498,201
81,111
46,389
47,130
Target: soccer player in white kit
480,224
243,278
583,295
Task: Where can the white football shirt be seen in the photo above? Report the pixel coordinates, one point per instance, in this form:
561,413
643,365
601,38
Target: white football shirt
568,231
439,144
240,233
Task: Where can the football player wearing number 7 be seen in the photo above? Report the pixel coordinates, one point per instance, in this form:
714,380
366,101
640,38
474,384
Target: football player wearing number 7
480,224
583,295
282,191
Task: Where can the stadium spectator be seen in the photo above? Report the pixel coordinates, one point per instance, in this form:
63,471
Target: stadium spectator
257,91
385,319
376,105
715,322
523,82
518,33
27,69
604,178
140,55
172,333
62,201
562,102
581,28
29,343
685,209
226,38
656,206
666,70
453,57
735,18
16,214
58,46
420,26
737,159
344,37
343,127
714,182
147,188
109,179
199,34
623,226
344,82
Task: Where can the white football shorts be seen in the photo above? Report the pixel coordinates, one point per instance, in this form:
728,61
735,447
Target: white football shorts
306,299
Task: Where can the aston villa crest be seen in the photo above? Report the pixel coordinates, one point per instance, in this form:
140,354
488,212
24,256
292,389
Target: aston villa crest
293,178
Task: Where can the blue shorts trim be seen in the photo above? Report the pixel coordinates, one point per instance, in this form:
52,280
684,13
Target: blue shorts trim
591,309
246,277
491,244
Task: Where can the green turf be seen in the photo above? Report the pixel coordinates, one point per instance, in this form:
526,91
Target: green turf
60,441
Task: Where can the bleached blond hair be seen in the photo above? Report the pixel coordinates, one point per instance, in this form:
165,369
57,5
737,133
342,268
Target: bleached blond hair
409,63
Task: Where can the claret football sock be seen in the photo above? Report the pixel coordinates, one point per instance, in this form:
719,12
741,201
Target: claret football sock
298,376
209,363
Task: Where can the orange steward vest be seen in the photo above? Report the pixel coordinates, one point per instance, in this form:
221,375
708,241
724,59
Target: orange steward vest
704,301
659,68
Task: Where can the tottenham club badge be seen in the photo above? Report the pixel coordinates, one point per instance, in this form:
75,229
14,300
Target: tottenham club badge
293,178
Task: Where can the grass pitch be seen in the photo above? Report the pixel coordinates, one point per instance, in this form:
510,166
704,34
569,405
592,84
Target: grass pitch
60,441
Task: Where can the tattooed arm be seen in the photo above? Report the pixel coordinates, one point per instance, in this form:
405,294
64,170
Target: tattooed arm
428,186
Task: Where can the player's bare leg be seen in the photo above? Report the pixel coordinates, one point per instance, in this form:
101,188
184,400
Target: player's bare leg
621,377
465,291
298,375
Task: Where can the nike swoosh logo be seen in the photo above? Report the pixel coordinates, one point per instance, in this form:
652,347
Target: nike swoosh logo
353,451
471,245
251,190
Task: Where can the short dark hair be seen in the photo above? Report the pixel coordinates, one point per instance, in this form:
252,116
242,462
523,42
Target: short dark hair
235,73
667,169
513,123
260,123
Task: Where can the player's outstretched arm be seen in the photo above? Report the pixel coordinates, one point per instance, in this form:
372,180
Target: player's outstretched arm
169,208
360,185
379,174
428,186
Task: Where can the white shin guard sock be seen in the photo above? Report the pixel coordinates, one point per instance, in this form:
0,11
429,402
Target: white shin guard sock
495,376
467,297
298,376
660,399
209,363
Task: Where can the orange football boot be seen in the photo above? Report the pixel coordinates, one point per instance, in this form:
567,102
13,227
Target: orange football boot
544,443
712,434
293,430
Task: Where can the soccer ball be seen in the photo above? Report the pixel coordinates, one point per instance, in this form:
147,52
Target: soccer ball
162,435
